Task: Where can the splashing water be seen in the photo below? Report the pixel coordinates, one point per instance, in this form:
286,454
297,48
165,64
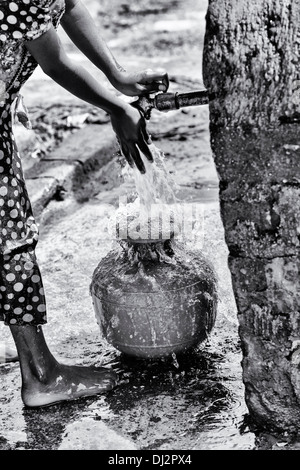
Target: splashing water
175,361
156,186
155,214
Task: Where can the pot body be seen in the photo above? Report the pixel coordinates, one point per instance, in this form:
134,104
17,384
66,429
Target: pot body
152,308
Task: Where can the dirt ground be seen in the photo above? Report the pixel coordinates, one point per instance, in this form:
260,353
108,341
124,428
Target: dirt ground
193,402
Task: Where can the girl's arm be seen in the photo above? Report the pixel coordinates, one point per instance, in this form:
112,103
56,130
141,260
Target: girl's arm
127,122
82,30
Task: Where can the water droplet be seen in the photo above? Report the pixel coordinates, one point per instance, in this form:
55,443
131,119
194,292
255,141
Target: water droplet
175,362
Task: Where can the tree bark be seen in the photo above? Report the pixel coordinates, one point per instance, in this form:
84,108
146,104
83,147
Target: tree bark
251,63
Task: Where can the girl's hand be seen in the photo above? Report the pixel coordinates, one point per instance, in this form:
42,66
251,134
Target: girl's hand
141,83
130,128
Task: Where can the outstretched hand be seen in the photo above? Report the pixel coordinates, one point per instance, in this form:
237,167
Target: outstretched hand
130,124
141,83
132,135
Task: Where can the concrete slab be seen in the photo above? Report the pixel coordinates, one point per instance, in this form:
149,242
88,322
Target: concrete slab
41,191
86,150
94,141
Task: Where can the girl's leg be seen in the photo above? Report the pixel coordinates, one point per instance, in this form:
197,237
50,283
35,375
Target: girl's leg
22,300
45,381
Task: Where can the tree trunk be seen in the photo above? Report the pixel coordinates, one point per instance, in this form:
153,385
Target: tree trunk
251,63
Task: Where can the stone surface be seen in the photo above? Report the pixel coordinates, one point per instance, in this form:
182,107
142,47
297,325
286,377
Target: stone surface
67,167
89,434
250,61
41,191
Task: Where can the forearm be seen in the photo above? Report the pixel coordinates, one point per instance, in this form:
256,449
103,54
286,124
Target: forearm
82,30
76,80
52,58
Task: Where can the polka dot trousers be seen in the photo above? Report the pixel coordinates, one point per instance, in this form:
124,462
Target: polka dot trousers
22,300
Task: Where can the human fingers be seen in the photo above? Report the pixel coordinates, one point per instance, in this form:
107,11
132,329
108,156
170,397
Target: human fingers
148,88
125,151
145,134
157,80
150,75
144,148
136,157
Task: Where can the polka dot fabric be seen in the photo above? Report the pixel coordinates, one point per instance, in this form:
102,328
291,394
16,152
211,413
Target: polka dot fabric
22,300
24,19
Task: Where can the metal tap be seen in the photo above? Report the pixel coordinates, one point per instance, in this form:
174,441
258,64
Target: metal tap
171,101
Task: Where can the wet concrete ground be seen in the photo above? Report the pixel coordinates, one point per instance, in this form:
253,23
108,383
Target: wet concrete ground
189,402
192,402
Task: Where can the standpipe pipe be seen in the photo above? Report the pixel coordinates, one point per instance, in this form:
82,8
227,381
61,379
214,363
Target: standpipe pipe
171,101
